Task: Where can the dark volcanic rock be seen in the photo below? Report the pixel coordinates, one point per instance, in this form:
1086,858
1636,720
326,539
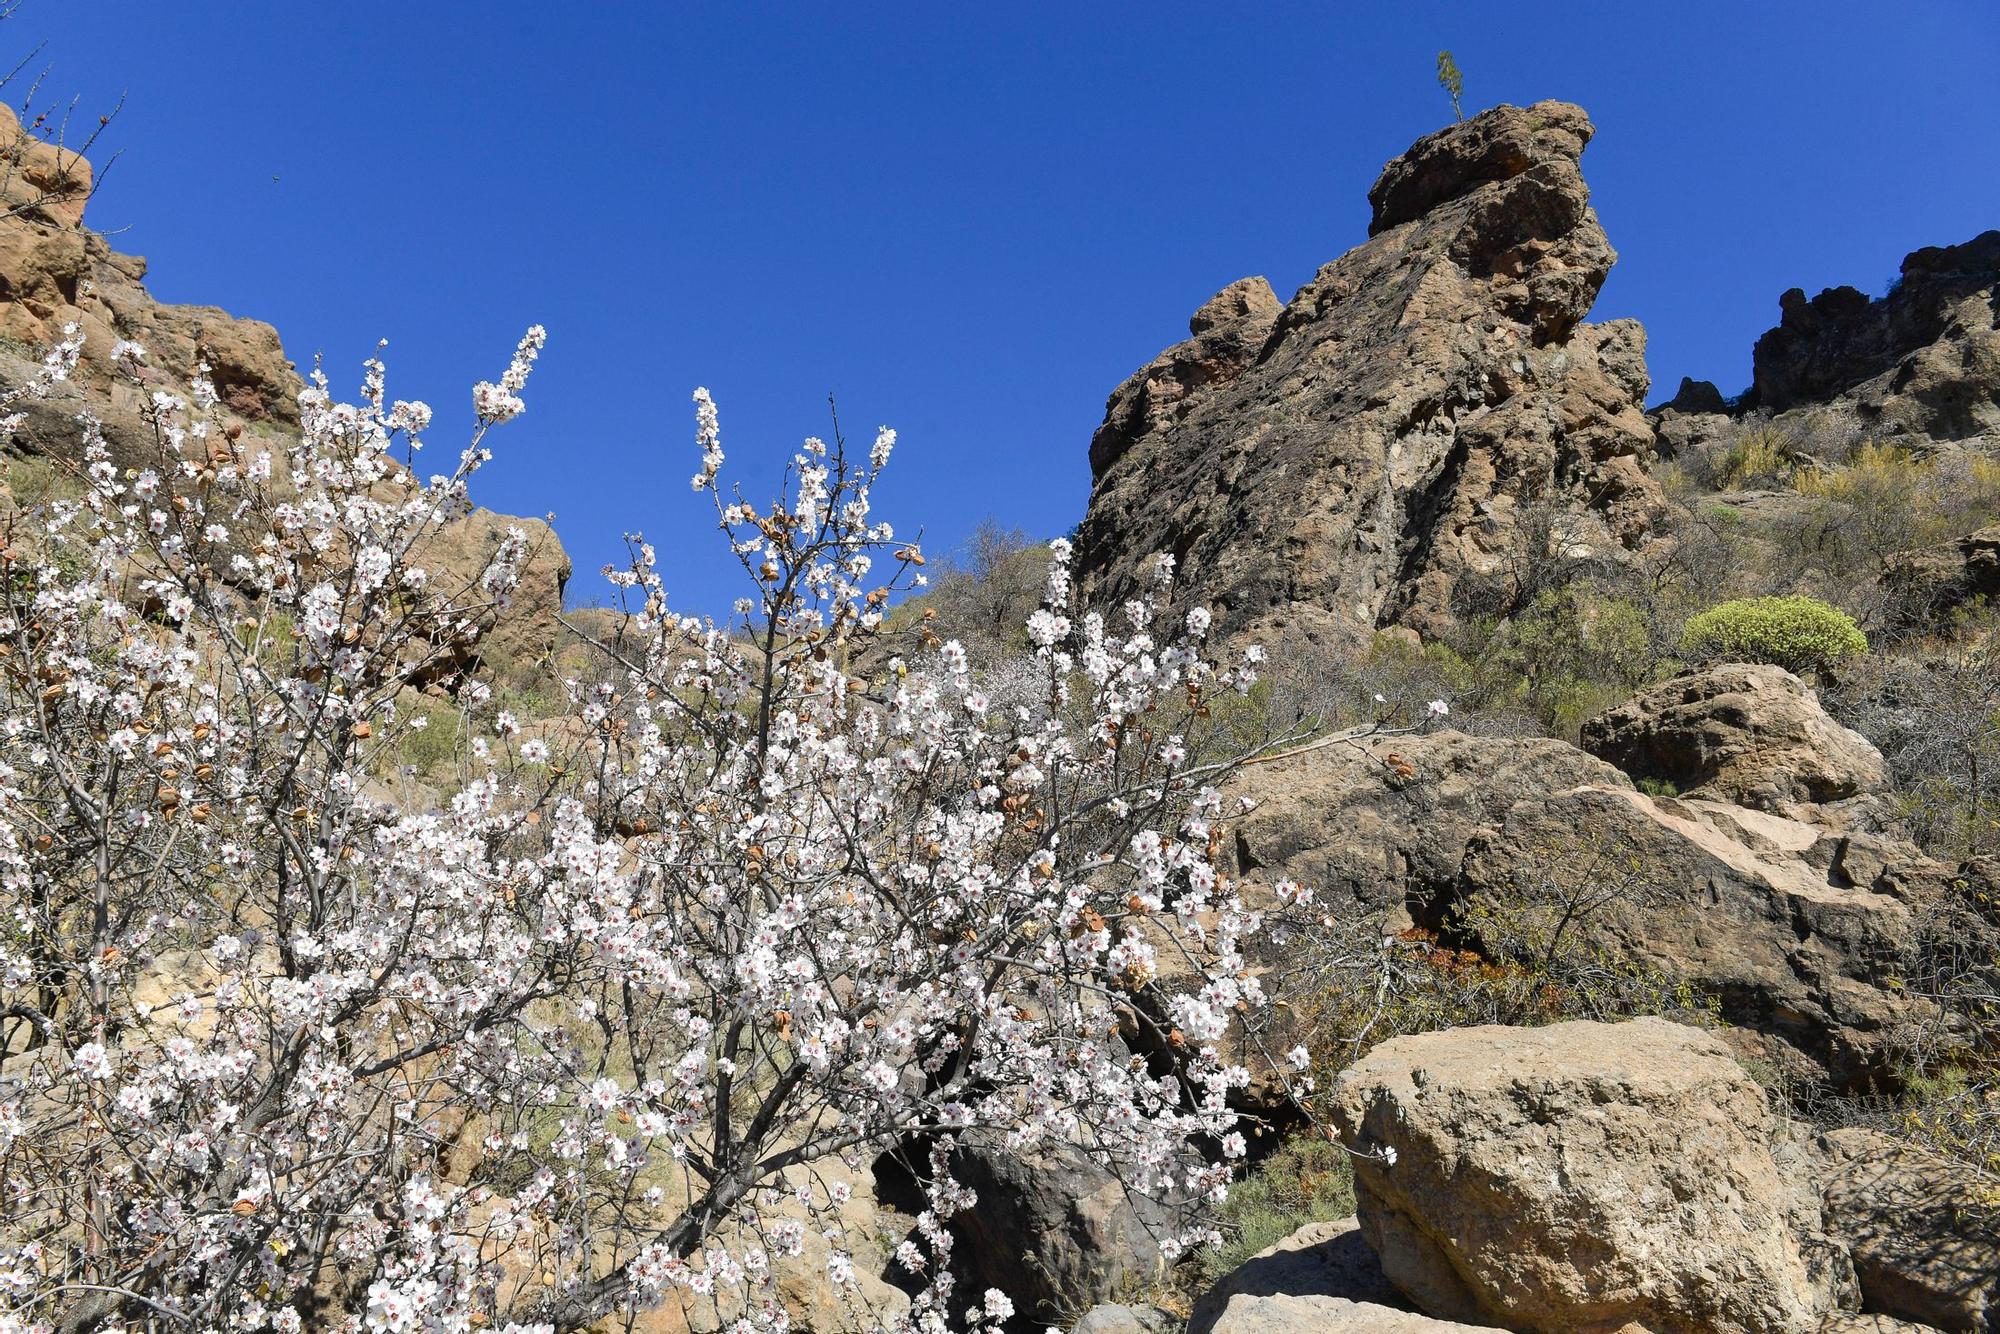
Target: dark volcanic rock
1341,464
1696,396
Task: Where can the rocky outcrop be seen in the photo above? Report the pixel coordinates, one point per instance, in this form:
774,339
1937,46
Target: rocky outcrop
1583,1177
1927,586
39,179
1926,1245
1385,820
1919,365
1117,1318
1922,360
1286,1313
1053,1230
1739,732
1799,934
1802,931
1348,461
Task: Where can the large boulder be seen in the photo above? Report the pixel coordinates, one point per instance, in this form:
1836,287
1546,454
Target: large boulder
1376,819
1348,461
1583,1178
1286,1313
1801,935
1926,1244
518,633
1741,732
1805,933
1119,1318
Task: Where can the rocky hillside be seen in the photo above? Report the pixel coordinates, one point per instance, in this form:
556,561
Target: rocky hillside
1429,440
1920,363
1644,1027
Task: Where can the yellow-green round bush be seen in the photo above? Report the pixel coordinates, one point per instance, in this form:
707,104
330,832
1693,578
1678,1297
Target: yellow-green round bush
1799,633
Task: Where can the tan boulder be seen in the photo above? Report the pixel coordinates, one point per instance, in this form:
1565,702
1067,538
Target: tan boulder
518,632
1740,732
1284,1313
1806,934
1799,933
1323,1276
1583,1178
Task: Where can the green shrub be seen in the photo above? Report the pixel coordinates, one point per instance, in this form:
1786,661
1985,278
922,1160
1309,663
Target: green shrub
431,739
1799,633
1307,1180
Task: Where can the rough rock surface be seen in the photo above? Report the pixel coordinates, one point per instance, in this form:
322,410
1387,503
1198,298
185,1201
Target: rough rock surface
1922,360
1799,933
1743,732
1930,584
1286,1313
1347,461
1323,1276
1347,820
38,178
1582,1177
1925,1247
1115,1318
1053,1230
1797,928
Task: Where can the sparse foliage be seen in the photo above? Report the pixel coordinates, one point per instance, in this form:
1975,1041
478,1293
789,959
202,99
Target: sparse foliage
1452,82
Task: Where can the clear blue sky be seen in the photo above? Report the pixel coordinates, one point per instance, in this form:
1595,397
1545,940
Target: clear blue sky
969,222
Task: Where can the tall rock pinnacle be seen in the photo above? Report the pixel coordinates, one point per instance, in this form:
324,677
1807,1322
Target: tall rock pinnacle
1428,412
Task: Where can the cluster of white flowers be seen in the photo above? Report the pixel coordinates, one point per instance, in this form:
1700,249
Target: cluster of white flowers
493,403
735,916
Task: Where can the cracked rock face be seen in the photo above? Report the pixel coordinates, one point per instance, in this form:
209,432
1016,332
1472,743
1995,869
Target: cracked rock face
1347,461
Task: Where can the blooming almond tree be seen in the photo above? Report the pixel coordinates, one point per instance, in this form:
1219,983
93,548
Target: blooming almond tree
589,1033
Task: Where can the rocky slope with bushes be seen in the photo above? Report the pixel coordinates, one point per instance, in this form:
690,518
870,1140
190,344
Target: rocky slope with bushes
1416,464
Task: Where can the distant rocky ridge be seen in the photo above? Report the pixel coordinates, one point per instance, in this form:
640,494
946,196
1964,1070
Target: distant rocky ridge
1918,366
1373,451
